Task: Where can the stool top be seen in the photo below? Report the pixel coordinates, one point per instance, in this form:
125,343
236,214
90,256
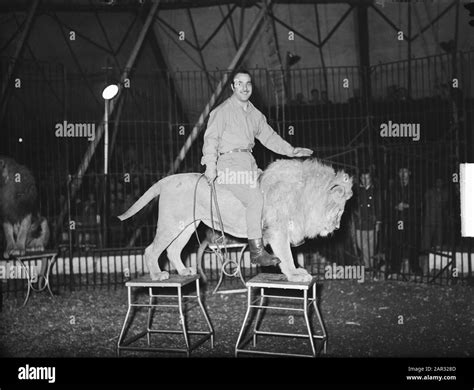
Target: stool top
278,281
174,281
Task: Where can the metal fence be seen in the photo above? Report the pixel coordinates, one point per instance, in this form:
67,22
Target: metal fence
325,109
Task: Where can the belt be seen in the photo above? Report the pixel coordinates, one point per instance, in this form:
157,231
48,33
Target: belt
236,151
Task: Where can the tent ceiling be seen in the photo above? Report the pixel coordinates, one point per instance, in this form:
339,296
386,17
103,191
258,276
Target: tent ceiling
131,5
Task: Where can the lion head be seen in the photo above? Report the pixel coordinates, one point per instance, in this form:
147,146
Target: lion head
340,190
306,198
18,193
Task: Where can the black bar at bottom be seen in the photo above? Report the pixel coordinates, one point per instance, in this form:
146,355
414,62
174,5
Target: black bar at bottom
322,370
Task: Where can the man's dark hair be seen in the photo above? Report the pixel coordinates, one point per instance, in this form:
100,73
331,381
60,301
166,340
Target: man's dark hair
236,72
404,167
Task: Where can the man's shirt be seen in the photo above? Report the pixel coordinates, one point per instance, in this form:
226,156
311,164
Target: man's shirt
231,127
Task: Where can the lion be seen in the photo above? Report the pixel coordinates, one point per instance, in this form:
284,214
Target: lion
302,199
18,202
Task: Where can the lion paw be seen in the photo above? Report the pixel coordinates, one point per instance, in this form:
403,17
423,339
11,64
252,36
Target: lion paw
187,272
301,271
164,275
299,277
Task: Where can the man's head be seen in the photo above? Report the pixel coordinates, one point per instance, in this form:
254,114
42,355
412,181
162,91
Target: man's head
299,97
365,178
404,174
439,183
241,85
315,95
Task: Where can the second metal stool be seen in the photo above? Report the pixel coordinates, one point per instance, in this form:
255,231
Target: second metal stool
278,281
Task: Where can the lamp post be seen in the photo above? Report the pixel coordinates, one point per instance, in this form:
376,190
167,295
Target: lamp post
291,59
109,92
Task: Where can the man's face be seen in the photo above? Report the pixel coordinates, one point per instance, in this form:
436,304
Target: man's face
242,86
365,180
404,174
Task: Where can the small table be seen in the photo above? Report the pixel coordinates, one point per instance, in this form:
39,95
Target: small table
48,260
278,281
174,281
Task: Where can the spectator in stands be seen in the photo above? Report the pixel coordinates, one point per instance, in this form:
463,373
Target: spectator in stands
367,217
355,99
392,93
315,97
324,98
403,221
441,90
436,200
299,99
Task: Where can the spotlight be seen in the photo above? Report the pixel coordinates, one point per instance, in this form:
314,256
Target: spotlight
110,91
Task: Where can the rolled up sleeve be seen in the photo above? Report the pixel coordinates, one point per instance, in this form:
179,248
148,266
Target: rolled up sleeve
215,126
271,140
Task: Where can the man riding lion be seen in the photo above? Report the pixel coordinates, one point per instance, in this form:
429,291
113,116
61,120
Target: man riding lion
295,199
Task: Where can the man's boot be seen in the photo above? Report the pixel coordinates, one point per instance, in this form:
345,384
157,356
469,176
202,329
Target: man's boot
258,254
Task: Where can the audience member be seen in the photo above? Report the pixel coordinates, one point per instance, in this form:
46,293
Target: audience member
315,97
436,200
403,223
367,217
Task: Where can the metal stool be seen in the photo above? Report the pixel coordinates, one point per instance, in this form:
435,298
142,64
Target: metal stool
174,281
278,281
42,279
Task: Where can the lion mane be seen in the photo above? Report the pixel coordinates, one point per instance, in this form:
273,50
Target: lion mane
303,198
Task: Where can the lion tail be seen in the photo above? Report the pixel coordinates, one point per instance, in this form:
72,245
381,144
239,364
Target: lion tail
146,198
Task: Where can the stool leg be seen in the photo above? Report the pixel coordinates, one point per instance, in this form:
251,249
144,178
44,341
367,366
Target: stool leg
320,319
221,277
308,325
29,282
245,320
182,320
203,309
150,316
260,313
241,256
122,332
46,275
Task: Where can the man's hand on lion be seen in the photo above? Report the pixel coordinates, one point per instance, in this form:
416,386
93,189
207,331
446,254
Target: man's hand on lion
302,152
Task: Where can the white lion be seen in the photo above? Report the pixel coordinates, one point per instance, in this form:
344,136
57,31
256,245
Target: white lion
302,199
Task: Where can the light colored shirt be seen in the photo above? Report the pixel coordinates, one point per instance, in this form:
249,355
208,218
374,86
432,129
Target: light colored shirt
231,127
